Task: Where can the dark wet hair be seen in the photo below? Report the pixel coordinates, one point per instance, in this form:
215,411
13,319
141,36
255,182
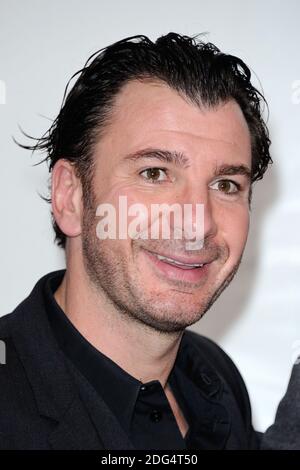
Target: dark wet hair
196,69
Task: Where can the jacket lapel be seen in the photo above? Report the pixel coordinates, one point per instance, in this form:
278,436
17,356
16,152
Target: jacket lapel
109,430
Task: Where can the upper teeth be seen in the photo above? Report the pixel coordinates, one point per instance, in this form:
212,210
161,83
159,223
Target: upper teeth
173,261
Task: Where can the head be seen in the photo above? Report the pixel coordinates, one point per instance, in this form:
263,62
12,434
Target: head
171,121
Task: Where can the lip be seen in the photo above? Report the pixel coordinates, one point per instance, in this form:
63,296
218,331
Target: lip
176,273
181,259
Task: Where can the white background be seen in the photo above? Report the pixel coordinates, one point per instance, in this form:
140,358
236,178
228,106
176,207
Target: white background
43,43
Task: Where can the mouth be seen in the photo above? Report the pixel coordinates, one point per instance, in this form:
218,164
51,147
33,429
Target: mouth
178,268
177,263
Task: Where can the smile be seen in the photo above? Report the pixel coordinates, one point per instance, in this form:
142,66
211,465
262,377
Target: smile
178,263
174,269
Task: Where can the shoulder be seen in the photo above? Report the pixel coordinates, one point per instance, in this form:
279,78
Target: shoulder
10,363
214,355
221,364
6,342
21,362
4,324
284,434
13,385
8,323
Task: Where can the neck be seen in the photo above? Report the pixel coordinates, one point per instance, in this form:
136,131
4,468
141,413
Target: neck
141,351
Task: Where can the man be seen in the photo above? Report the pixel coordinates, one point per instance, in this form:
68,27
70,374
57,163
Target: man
98,355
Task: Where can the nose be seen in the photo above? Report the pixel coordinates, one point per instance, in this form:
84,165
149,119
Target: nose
199,218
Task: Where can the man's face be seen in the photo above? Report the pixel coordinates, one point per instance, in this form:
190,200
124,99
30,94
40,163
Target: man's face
159,148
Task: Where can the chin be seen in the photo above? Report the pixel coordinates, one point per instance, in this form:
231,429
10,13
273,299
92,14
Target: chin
183,310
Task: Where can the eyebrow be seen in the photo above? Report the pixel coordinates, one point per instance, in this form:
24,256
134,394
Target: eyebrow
180,160
226,170
166,156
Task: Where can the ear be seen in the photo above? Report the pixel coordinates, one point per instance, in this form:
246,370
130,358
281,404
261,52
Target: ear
66,195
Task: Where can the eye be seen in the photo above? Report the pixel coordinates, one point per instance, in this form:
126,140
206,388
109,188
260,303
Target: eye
154,174
226,186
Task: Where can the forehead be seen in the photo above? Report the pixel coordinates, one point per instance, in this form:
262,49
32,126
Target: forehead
147,114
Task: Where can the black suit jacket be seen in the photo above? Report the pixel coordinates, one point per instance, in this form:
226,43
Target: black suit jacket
47,404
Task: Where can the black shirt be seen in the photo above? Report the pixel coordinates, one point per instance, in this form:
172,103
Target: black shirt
142,409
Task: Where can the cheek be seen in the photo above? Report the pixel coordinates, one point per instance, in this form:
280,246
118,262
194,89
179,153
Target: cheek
234,227
123,198
129,204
